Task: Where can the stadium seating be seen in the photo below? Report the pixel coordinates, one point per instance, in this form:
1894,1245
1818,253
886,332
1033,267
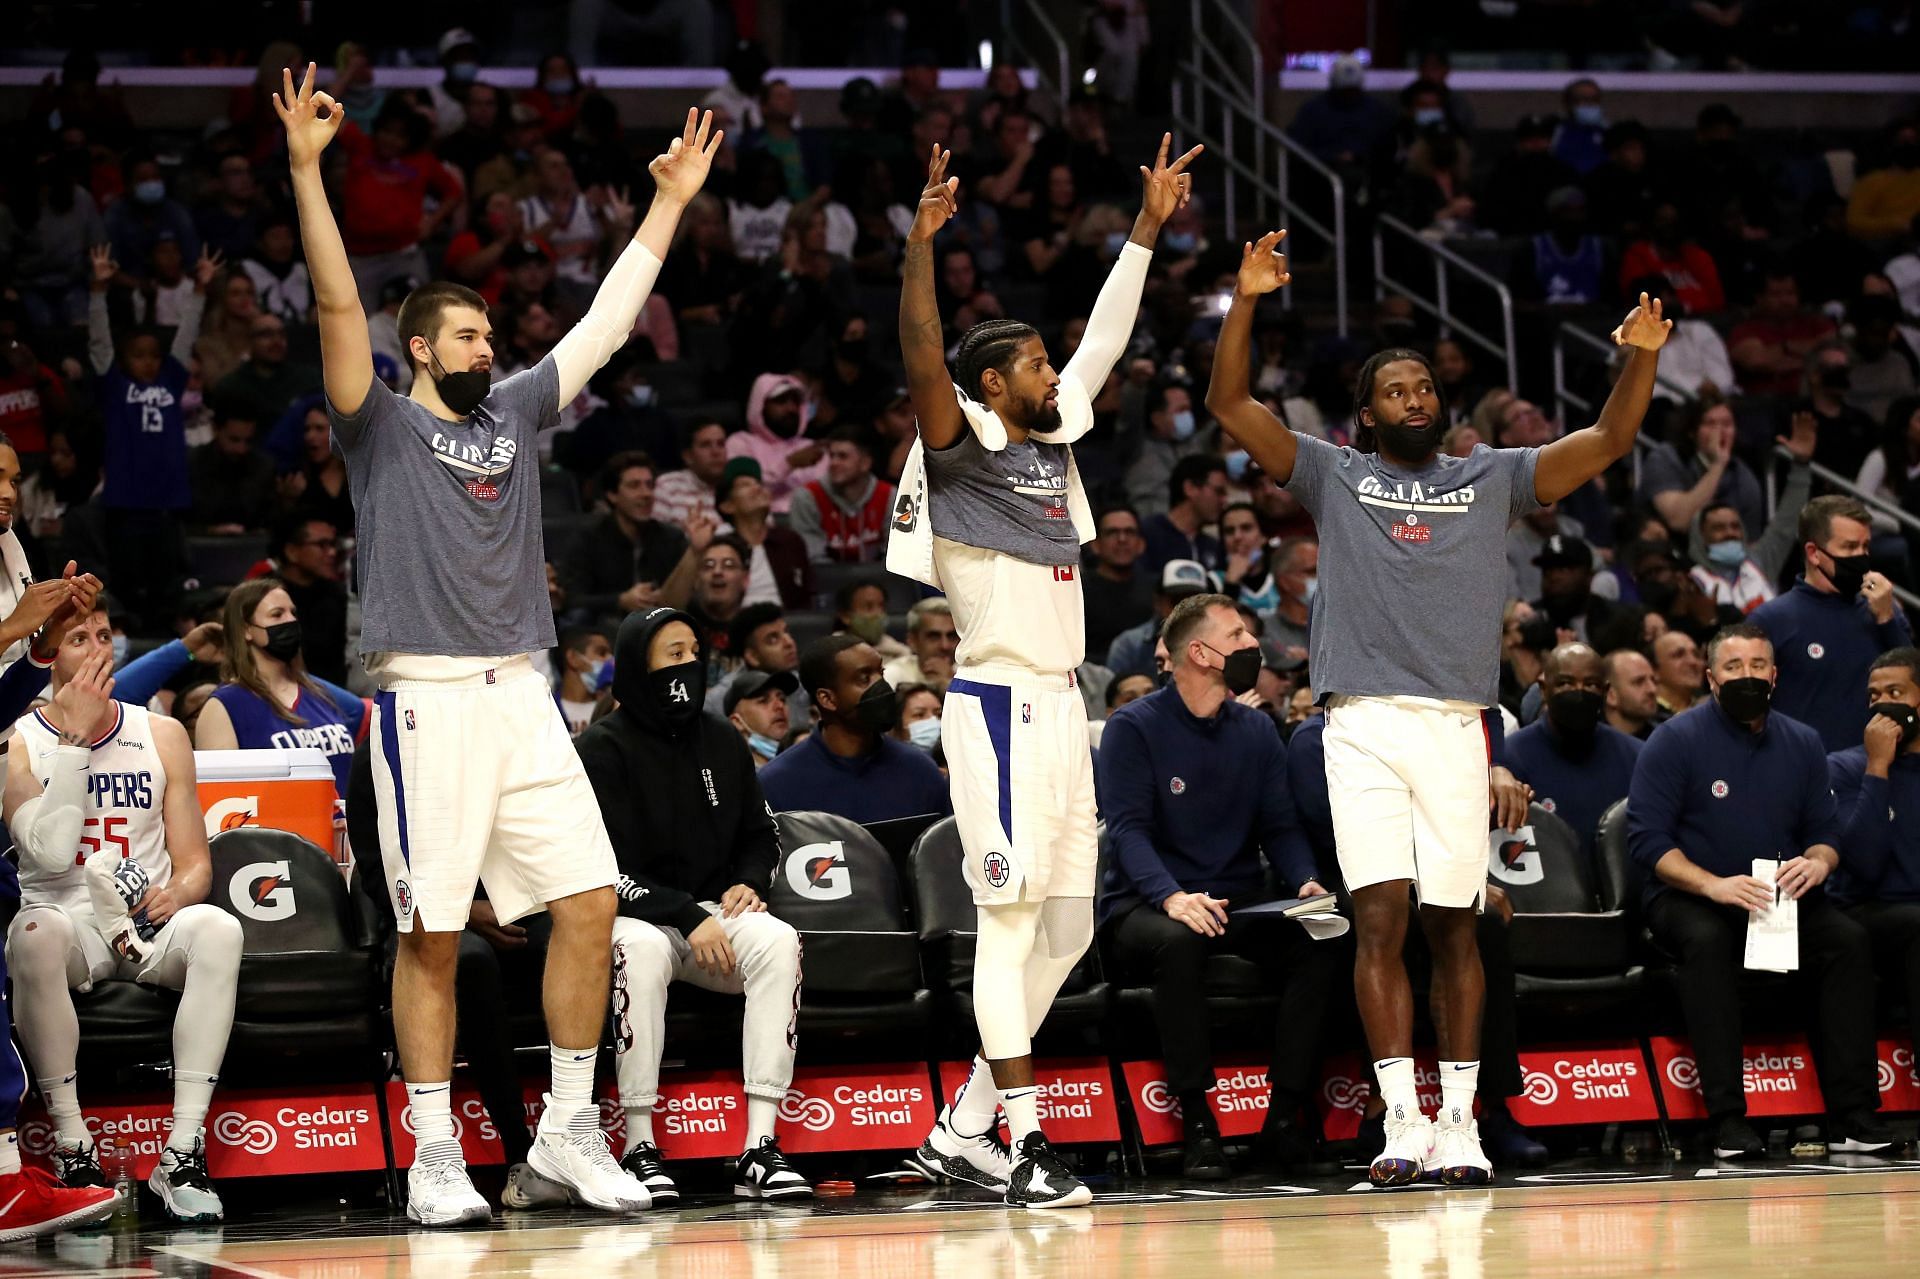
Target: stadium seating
1572,939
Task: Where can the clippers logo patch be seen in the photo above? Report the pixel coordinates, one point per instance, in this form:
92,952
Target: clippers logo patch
1816,651
1720,790
1178,786
402,897
998,869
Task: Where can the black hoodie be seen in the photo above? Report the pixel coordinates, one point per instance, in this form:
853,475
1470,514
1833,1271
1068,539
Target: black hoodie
682,807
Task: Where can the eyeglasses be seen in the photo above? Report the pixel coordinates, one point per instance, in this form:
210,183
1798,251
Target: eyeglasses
324,543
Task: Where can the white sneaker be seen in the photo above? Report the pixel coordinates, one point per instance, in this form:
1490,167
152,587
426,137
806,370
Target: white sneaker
528,1189
180,1179
441,1194
946,1155
1457,1159
1409,1145
581,1163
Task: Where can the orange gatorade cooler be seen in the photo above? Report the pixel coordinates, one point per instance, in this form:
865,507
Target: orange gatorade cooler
282,789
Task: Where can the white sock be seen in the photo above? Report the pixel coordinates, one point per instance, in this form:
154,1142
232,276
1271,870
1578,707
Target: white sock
192,1094
432,1106
761,1114
1397,1089
9,1153
639,1127
977,1102
570,1095
63,1107
1459,1081
1023,1112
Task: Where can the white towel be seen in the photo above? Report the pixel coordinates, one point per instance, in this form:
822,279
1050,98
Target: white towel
13,586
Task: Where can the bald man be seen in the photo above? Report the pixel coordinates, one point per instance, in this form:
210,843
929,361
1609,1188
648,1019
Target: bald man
1633,694
1577,763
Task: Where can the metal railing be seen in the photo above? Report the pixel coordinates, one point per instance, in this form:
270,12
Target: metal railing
1440,305
1874,503
1564,394
1044,47
1217,103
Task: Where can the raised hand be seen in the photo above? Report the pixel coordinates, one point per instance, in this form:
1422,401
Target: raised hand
939,201
682,171
618,208
211,260
311,118
1262,267
104,268
82,699
1167,186
1643,326
1803,435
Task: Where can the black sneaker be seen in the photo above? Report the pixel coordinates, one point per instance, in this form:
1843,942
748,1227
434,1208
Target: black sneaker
1285,1146
1734,1138
650,1170
77,1167
764,1173
1041,1180
1859,1133
1203,1159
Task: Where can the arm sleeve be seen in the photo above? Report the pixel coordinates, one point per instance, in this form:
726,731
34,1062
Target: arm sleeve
608,323
99,334
1126,791
47,827
146,675
1111,324
1281,838
1866,836
1653,800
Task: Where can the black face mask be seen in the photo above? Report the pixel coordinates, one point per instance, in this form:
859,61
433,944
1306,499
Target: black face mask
1745,700
1905,716
283,640
853,352
679,691
461,392
1240,667
877,708
784,427
1576,711
1410,444
1564,606
1849,572
1659,596
1161,678
1836,379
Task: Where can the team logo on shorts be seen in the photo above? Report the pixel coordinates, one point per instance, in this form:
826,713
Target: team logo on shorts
1816,651
410,725
1178,786
999,870
1719,790
1026,712
1549,805
403,897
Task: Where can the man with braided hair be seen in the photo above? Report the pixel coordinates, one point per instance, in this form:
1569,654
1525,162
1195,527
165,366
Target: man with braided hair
991,511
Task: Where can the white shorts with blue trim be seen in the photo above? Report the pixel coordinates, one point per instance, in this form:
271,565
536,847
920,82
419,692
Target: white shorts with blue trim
1021,775
477,781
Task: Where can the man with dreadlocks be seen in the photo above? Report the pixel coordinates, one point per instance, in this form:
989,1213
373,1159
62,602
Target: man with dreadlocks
992,512
1405,646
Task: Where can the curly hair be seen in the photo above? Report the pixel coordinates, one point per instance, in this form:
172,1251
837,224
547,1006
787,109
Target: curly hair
989,344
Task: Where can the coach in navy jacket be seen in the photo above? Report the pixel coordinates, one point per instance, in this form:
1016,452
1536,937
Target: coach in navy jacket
1716,787
1876,787
1193,787
1578,765
1828,629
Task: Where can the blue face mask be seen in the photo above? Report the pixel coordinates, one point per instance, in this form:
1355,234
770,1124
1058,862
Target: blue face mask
1183,425
1237,464
599,674
1312,588
640,396
558,86
1116,241
463,72
925,733
152,191
1591,114
1180,241
1428,117
119,651
1728,554
762,745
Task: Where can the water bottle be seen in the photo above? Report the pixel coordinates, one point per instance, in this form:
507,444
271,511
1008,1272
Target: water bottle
116,1163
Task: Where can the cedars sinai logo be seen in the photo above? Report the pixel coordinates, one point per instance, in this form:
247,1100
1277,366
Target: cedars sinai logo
815,1114
255,1136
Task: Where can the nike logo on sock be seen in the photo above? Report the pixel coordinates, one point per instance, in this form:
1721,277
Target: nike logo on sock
1461,1066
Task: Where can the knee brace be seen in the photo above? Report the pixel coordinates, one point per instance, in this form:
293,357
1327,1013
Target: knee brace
1065,932
1006,944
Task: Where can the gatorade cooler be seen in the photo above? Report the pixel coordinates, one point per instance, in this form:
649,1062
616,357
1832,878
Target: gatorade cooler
282,789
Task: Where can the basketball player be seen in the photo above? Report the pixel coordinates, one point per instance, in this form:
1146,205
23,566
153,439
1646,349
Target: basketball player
994,515
114,872
1405,653
475,772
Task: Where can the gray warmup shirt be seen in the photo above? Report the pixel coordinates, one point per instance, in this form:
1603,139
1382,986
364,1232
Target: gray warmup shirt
450,552
1413,569
1013,501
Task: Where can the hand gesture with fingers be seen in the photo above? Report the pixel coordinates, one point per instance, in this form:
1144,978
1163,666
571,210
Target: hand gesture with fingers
681,172
211,260
1263,268
618,208
1804,434
1167,186
1643,326
105,268
82,699
311,118
939,201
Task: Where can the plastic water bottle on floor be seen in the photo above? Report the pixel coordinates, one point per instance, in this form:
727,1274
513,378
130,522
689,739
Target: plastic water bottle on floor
116,1162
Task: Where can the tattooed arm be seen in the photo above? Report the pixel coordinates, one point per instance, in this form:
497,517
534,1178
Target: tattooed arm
923,347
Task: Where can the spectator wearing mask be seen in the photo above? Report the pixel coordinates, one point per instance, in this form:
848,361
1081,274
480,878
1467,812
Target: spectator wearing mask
1679,674
1577,764
848,765
756,705
719,591
266,384
919,722
1715,789
233,483
1345,125
1580,142
1193,786
1876,790
1885,202
1836,619
677,495
586,671
1726,568
777,416
1883,367
860,608
628,417
306,559
1845,433
147,215
759,638
932,640
1296,579
778,571
556,95
1668,251
1116,588
459,56
626,559
1680,478
843,516
1132,650
1770,347
696,846
1171,436
1695,360
1633,694
1196,494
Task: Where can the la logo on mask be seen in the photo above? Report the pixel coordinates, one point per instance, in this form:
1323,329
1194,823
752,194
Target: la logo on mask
677,691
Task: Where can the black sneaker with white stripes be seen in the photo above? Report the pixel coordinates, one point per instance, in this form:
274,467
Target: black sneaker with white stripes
764,1173
649,1168
1041,1180
77,1167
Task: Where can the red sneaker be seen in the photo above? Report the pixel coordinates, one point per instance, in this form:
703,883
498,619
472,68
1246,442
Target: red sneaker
34,1204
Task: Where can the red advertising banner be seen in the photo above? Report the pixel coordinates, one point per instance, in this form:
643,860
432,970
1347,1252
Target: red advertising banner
474,1129
1584,1084
1077,1104
1238,1098
250,1133
1899,1077
1778,1072
1346,1083
877,1107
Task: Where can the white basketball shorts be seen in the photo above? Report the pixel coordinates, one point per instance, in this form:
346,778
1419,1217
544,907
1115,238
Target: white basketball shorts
477,781
1021,774
1407,782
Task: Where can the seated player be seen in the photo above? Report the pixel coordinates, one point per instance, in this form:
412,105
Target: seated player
697,846
114,873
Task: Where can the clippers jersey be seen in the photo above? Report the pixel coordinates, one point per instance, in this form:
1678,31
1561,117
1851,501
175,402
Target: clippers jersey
125,788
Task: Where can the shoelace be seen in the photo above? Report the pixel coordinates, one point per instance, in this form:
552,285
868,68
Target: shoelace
771,1155
190,1168
451,1173
67,1162
598,1149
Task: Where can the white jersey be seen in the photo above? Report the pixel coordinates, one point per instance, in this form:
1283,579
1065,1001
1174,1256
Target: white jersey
125,810
1010,612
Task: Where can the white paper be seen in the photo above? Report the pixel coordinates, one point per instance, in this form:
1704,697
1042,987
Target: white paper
1773,934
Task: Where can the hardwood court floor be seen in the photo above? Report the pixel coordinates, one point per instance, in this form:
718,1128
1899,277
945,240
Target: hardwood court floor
1828,1218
